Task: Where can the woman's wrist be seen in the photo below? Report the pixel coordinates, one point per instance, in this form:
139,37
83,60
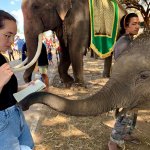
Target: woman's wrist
21,87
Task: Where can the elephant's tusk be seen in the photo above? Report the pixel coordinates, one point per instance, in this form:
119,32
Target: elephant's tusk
22,64
35,57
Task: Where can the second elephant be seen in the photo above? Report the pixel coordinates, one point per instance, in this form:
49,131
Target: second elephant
70,19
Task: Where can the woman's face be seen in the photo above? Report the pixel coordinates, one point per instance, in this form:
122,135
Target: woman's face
133,27
7,34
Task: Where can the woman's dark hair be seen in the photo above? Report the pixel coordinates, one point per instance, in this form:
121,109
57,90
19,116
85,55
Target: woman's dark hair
124,22
3,16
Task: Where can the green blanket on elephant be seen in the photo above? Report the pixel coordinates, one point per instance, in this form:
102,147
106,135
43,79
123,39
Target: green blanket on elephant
104,17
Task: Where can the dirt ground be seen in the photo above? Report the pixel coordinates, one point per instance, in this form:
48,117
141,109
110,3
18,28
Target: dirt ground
56,131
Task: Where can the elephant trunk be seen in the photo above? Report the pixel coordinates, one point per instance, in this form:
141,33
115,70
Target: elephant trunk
103,101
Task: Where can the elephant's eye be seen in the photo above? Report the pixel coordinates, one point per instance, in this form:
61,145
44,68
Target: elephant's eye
144,76
35,6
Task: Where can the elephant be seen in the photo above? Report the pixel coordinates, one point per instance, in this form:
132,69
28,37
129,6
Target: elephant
127,88
70,19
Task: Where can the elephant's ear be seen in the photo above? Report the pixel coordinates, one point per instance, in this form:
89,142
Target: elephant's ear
63,7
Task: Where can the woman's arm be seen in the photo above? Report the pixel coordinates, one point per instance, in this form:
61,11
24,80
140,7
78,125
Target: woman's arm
5,75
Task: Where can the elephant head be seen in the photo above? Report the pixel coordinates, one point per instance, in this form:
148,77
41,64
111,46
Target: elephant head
128,86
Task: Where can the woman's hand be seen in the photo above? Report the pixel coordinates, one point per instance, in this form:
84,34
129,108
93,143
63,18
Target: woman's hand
21,87
5,74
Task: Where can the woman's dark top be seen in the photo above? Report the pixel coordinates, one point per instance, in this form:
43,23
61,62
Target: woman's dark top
6,96
42,60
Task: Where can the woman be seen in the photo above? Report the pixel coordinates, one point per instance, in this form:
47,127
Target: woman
14,132
126,122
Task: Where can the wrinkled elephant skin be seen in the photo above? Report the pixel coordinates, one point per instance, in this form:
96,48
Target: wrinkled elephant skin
128,87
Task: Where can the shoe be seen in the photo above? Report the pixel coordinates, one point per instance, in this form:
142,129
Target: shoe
132,139
112,145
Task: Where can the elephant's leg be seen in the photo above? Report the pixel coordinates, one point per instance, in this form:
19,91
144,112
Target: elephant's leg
92,54
63,68
107,66
77,65
78,42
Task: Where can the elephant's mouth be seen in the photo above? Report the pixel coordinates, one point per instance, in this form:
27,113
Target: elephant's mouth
45,25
